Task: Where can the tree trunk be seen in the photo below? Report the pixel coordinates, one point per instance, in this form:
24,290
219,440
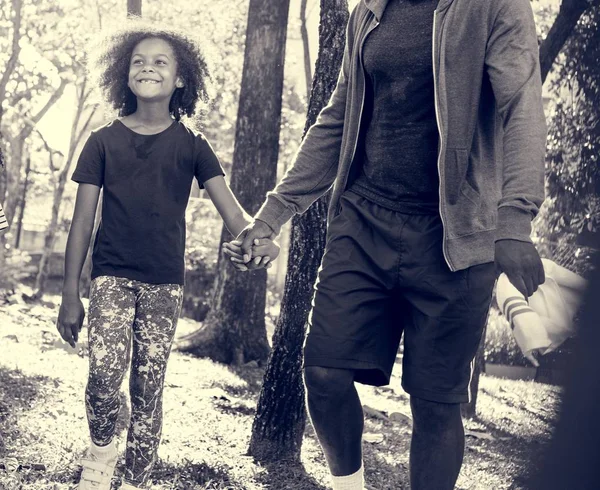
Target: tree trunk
469,409
22,203
61,180
134,8
569,14
13,178
234,331
280,419
50,237
306,47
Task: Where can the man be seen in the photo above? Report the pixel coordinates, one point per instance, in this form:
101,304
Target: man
433,141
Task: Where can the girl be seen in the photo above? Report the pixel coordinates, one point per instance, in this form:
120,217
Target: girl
145,161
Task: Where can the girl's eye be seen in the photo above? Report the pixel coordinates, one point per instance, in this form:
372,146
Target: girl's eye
161,62
136,62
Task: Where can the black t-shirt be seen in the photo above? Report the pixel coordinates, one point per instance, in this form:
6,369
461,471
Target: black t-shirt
147,181
399,135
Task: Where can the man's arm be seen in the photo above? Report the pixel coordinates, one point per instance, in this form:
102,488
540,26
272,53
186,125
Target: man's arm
512,63
315,164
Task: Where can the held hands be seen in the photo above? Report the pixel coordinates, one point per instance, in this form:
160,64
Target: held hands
522,265
254,247
264,251
70,318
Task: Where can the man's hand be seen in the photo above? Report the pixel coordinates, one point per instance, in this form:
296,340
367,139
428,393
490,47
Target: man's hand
255,230
264,251
70,318
522,265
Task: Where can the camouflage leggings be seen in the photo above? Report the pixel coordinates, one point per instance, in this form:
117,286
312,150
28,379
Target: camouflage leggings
118,308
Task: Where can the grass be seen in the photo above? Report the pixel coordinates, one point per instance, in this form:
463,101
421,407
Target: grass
208,412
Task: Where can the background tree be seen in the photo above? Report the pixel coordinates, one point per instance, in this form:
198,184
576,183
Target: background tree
234,331
82,113
280,419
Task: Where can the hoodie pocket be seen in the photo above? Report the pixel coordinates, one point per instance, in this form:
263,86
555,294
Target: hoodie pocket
466,211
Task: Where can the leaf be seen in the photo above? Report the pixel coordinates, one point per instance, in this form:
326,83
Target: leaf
373,438
371,412
400,418
480,435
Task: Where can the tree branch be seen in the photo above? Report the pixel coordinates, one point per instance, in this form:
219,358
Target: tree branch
569,14
14,56
32,121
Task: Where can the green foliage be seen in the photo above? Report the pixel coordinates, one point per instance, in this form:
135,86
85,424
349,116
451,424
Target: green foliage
500,344
573,171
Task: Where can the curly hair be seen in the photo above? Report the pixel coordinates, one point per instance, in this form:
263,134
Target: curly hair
110,59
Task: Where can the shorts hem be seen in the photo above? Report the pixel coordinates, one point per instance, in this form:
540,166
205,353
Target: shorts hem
436,396
382,379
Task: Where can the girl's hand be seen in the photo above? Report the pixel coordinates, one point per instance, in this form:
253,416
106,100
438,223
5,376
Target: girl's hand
70,318
263,251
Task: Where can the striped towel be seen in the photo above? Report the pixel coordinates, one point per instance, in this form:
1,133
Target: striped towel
3,221
545,320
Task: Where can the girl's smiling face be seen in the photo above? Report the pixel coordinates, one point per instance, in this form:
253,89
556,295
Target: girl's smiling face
153,70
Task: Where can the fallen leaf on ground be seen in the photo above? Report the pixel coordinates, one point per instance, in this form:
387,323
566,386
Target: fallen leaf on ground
373,438
372,412
400,417
480,435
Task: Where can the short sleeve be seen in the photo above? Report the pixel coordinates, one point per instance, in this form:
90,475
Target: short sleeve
90,165
207,163
3,220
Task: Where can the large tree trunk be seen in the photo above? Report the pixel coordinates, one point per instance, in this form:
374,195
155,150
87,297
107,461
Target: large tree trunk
280,419
234,331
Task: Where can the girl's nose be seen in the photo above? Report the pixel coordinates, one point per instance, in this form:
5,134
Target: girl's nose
148,68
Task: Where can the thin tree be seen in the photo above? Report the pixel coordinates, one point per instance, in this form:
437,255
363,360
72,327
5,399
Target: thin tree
77,132
234,331
280,418
134,8
306,48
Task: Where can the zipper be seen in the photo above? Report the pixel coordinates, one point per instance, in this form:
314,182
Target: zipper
362,103
440,132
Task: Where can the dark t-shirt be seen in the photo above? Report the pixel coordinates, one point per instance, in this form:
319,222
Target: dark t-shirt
147,181
399,135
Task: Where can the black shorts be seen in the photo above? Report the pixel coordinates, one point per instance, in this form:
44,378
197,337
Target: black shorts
383,273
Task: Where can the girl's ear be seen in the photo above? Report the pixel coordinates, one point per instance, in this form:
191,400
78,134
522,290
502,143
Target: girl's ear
179,83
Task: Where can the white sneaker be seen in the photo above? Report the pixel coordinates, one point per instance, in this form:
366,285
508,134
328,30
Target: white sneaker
97,474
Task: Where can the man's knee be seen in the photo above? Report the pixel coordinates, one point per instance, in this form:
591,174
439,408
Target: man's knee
326,382
435,416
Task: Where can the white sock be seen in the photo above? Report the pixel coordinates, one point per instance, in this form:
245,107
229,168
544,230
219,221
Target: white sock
355,481
104,453
129,486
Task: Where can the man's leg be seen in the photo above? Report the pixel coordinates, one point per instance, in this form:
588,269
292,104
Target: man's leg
353,335
437,445
447,313
337,416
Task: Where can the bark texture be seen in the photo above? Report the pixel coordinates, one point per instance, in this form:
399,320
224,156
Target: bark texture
281,417
234,331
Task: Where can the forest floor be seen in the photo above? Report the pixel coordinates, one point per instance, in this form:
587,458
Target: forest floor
208,413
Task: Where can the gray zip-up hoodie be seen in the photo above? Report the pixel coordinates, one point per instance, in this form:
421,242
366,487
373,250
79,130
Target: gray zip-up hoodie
488,100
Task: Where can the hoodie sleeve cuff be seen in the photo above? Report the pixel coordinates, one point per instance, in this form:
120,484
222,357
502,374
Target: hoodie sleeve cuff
274,213
513,224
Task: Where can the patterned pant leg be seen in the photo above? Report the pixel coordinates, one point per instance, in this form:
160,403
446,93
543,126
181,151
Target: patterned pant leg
158,308
111,316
